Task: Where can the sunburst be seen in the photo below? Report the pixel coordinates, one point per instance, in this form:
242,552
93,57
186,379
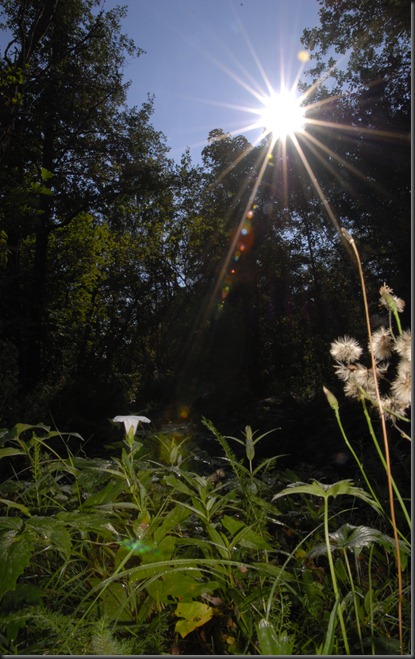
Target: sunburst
282,114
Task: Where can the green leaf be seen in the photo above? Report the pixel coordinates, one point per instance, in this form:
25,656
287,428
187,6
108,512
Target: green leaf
6,452
15,554
108,494
179,585
19,506
175,517
13,523
327,490
244,535
327,648
219,540
46,174
114,600
178,485
88,522
195,615
53,531
272,643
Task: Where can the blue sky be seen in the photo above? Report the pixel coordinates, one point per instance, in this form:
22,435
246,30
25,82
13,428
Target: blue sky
201,55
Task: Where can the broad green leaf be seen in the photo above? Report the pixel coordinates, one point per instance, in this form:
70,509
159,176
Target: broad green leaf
357,537
175,517
270,570
25,593
244,535
52,531
114,600
251,540
19,428
231,524
108,494
195,615
12,523
178,485
89,522
326,490
219,540
182,586
15,554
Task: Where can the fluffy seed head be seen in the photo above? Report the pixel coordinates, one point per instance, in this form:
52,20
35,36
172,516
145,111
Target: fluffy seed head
403,345
345,350
382,344
401,386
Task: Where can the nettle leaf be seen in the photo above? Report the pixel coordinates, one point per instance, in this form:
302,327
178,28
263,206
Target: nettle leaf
88,522
15,553
195,614
53,531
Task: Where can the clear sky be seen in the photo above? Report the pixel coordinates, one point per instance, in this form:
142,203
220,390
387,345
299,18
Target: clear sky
205,58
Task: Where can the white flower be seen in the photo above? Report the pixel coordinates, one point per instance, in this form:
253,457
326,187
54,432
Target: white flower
131,421
345,350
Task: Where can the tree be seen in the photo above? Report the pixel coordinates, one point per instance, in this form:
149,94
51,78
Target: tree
370,102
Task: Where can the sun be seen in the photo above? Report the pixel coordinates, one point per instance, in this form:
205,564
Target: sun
281,115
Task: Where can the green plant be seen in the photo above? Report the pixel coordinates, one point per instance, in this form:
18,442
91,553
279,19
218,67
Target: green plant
363,383
132,555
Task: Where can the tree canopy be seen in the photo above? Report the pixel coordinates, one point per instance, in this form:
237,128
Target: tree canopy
129,281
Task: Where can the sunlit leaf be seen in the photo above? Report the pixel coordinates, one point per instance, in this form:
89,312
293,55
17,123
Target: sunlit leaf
195,615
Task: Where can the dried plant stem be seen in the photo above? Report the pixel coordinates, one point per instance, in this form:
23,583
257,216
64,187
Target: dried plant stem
385,437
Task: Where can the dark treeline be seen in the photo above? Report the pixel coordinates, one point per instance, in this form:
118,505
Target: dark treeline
129,282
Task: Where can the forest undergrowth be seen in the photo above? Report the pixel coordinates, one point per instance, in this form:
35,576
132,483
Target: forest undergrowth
157,549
